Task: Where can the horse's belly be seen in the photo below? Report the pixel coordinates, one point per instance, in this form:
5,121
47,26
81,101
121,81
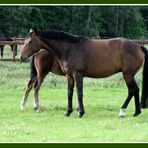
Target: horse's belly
101,72
99,75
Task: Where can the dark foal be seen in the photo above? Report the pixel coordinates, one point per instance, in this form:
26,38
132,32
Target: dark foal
84,57
41,64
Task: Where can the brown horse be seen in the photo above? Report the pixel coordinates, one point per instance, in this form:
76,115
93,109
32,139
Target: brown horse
83,57
41,64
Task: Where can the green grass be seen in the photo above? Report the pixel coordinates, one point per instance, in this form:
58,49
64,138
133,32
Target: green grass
102,99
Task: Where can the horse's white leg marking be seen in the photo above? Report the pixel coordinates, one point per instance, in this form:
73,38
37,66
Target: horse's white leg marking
36,99
36,105
77,105
23,102
25,97
36,93
122,112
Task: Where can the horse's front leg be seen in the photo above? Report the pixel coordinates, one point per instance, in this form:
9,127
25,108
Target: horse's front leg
70,95
79,85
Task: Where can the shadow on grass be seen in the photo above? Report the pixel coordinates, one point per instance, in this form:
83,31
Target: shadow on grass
53,108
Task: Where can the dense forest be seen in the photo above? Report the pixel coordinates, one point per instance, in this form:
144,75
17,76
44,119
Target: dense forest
92,21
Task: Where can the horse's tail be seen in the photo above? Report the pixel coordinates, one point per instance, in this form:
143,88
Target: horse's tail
33,71
144,96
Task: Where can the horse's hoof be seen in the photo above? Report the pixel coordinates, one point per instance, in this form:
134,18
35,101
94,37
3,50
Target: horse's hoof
80,114
22,106
137,113
36,110
122,112
68,113
121,116
77,109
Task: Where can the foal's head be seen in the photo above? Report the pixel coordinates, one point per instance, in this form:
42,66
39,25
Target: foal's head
32,45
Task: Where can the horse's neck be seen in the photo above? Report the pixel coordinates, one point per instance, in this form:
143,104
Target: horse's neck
58,48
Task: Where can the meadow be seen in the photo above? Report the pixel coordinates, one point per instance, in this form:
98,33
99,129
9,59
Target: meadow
102,100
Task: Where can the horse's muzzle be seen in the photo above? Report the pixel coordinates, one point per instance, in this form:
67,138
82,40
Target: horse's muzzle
24,59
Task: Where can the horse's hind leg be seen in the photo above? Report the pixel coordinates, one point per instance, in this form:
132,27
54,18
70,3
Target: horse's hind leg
144,100
133,90
27,90
137,102
124,106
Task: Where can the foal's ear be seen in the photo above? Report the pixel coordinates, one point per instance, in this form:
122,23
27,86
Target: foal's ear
32,32
33,29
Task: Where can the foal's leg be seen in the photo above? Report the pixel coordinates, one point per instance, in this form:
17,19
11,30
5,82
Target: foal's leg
70,95
79,85
36,92
27,90
133,90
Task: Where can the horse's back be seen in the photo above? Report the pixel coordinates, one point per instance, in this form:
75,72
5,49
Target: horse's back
103,58
106,57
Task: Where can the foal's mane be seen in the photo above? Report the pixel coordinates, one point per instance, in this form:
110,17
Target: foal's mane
60,35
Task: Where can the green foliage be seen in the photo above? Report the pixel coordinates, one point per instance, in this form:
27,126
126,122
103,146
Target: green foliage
93,21
125,21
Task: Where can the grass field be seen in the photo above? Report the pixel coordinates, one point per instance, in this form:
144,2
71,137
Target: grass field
102,99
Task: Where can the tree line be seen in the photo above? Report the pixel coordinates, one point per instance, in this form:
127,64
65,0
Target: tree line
92,21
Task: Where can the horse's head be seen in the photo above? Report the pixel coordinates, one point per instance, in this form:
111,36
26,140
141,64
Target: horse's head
32,45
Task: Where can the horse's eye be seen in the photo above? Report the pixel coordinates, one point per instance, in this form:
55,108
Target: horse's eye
30,42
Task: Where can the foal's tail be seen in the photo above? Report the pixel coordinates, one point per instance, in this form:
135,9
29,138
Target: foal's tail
144,96
33,71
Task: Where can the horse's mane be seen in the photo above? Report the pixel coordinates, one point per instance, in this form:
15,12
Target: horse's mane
60,35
